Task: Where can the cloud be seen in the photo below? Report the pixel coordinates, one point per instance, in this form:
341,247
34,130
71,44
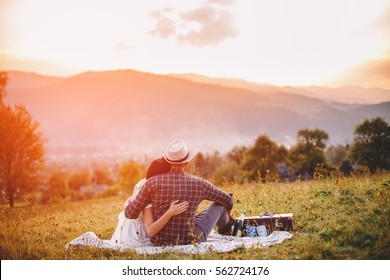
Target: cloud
373,73
215,25
207,25
165,27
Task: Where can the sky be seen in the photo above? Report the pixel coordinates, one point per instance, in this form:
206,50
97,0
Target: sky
282,42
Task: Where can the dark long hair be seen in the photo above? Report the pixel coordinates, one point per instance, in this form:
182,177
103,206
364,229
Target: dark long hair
157,167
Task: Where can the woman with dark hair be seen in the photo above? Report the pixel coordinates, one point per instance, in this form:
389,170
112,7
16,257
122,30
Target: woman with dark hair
136,232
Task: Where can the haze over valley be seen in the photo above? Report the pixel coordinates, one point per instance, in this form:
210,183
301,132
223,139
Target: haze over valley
131,114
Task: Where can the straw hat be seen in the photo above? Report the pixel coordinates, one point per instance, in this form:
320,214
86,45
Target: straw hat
177,153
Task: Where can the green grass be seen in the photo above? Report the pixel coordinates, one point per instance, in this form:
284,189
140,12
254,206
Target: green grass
347,218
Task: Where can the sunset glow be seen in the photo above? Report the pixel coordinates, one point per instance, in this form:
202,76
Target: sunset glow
279,42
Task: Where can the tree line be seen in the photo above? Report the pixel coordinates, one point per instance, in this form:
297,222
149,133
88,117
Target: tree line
22,159
265,160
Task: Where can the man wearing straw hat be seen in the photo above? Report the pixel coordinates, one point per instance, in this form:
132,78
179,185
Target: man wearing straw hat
174,185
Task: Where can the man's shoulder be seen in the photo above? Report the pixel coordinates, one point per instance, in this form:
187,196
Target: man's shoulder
200,182
195,178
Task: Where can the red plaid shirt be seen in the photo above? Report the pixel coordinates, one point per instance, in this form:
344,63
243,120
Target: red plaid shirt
162,190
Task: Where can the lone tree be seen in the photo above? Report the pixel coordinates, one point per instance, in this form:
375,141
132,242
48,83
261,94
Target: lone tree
371,146
309,151
262,158
21,148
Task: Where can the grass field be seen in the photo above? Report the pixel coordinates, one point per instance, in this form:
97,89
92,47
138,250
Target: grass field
344,218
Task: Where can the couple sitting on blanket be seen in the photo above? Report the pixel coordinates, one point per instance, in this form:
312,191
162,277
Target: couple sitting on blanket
161,211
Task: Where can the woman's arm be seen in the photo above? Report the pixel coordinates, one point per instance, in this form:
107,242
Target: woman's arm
153,227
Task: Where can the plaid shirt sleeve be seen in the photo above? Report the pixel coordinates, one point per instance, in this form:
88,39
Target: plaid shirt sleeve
217,195
138,203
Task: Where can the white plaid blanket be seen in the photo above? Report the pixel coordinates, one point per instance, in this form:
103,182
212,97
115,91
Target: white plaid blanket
215,243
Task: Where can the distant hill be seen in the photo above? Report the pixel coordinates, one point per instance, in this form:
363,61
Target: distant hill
19,79
344,94
131,113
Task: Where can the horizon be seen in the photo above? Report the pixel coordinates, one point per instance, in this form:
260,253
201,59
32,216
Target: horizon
182,76
326,43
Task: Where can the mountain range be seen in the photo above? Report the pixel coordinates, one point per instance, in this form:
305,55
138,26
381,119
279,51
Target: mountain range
131,114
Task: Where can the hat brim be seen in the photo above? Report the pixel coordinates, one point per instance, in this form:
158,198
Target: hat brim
188,159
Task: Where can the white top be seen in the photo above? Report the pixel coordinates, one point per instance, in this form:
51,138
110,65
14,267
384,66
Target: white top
131,232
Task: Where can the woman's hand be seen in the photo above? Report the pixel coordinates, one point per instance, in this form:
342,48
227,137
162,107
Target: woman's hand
177,208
